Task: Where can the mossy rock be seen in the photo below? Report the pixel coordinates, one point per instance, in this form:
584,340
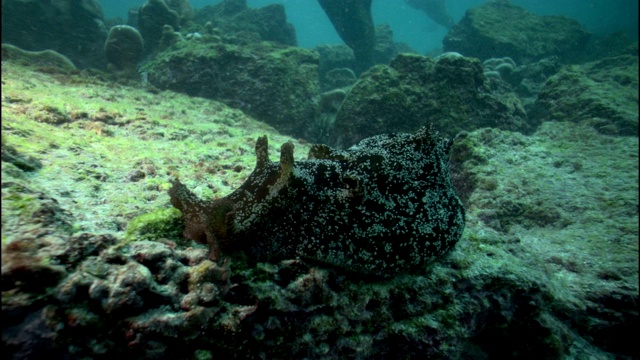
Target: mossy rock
603,94
42,58
499,28
272,82
449,92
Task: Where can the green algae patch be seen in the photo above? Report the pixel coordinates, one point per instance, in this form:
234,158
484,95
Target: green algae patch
20,205
165,223
108,150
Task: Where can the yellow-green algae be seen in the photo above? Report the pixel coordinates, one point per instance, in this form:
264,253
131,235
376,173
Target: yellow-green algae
91,134
154,225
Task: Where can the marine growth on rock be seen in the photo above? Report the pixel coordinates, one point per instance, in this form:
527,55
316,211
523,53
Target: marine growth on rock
382,207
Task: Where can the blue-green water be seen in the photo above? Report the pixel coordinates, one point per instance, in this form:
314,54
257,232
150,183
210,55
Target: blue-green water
415,28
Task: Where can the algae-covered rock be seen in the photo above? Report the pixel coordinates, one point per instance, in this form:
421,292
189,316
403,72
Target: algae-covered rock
152,17
22,162
527,80
75,29
123,49
553,197
602,93
232,17
449,93
41,58
499,28
271,82
334,57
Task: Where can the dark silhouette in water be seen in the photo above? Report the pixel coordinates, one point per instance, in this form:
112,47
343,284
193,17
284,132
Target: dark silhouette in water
434,9
353,21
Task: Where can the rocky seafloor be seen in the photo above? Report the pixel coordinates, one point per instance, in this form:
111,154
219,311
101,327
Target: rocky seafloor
94,264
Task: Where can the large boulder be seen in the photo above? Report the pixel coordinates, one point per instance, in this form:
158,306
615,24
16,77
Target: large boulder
499,28
152,18
269,81
234,16
449,92
123,49
603,93
73,28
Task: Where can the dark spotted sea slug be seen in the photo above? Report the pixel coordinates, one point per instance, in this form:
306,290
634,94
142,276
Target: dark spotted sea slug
382,207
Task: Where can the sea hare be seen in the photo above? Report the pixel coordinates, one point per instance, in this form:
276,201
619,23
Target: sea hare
383,207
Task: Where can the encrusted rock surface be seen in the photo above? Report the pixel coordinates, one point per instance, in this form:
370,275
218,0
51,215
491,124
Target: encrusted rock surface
602,93
74,29
499,28
272,82
123,49
152,16
269,23
450,93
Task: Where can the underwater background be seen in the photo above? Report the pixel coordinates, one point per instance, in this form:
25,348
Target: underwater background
320,179
413,27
